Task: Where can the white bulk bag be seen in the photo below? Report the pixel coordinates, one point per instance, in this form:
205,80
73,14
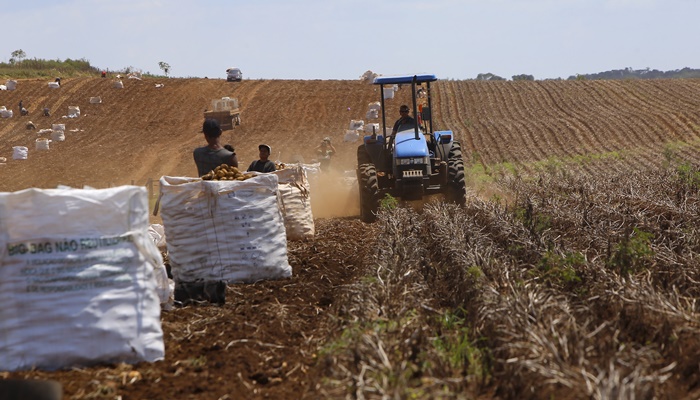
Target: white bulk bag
5,113
388,92
372,114
230,231
19,153
118,85
77,283
58,136
374,106
372,128
351,136
58,127
95,100
54,85
356,124
42,144
73,111
296,203
11,84
157,233
164,286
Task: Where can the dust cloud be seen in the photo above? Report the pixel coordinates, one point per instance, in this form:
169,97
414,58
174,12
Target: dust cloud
334,194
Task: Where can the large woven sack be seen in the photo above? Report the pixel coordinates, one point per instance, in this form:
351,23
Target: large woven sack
20,152
296,203
42,144
77,283
230,231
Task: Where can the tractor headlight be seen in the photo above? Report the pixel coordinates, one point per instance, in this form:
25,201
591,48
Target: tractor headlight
413,161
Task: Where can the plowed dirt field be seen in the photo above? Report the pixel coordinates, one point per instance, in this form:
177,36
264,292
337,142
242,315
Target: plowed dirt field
142,132
263,342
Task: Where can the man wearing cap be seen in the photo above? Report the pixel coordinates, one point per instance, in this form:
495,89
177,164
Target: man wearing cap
403,121
263,164
213,154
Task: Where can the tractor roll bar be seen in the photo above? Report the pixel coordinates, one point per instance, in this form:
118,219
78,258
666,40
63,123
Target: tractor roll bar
415,105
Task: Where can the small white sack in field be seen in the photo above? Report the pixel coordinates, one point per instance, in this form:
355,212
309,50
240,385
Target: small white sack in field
54,85
5,113
73,111
356,124
42,144
58,127
351,136
374,106
11,84
372,114
118,85
19,153
296,203
372,128
388,92
58,136
95,100
77,283
230,231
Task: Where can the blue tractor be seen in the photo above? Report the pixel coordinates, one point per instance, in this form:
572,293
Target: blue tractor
414,162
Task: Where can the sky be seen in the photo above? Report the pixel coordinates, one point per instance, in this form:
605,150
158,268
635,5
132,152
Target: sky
341,39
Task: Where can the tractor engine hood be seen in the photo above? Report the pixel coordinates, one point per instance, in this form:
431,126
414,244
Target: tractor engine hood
407,145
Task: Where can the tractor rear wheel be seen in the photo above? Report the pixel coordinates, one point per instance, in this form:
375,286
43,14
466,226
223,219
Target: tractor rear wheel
369,192
456,186
363,155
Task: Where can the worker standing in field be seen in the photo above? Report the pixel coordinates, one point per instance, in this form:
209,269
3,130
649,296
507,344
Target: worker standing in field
213,154
263,164
325,151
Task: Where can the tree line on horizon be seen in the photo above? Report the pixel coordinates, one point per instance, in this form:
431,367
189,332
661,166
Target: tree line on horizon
615,74
19,66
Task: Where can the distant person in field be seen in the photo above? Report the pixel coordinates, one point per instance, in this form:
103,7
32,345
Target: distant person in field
404,121
214,153
22,110
325,151
58,80
263,164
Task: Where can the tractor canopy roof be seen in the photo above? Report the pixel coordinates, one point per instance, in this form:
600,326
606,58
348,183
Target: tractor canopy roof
390,80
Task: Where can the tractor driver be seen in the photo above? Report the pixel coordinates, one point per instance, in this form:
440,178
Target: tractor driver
405,119
402,123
